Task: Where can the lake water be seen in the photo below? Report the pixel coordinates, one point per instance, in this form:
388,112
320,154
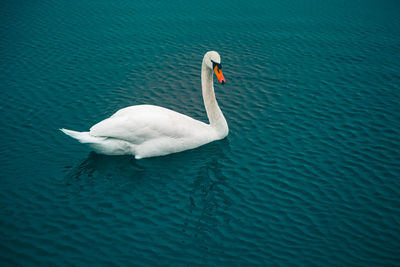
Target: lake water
309,174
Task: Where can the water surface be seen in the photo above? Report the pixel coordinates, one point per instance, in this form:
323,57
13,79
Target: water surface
309,174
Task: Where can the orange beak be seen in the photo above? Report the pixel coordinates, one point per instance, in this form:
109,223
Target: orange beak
219,75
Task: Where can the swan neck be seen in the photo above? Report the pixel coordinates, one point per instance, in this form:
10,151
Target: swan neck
214,113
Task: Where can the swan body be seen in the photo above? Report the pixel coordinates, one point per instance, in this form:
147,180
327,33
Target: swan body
148,130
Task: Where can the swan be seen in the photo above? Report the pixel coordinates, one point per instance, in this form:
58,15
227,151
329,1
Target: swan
147,130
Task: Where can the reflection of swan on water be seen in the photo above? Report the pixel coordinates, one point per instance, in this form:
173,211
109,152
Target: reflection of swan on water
103,165
98,170
147,130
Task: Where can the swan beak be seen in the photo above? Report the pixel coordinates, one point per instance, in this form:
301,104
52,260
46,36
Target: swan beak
219,75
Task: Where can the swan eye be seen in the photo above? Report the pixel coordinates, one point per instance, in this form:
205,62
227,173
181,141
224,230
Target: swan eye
216,64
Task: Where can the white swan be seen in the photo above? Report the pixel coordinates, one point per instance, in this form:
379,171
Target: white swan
148,131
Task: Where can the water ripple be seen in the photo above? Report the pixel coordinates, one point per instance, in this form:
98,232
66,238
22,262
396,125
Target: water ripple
307,176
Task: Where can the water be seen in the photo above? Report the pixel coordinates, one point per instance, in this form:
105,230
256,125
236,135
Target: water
309,174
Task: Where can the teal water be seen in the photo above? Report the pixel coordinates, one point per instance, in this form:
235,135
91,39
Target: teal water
309,174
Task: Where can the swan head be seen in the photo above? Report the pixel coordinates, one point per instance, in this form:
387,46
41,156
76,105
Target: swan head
213,62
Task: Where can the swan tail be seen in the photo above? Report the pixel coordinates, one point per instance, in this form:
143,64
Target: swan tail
82,137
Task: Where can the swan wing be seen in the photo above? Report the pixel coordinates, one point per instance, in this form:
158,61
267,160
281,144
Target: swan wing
138,124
